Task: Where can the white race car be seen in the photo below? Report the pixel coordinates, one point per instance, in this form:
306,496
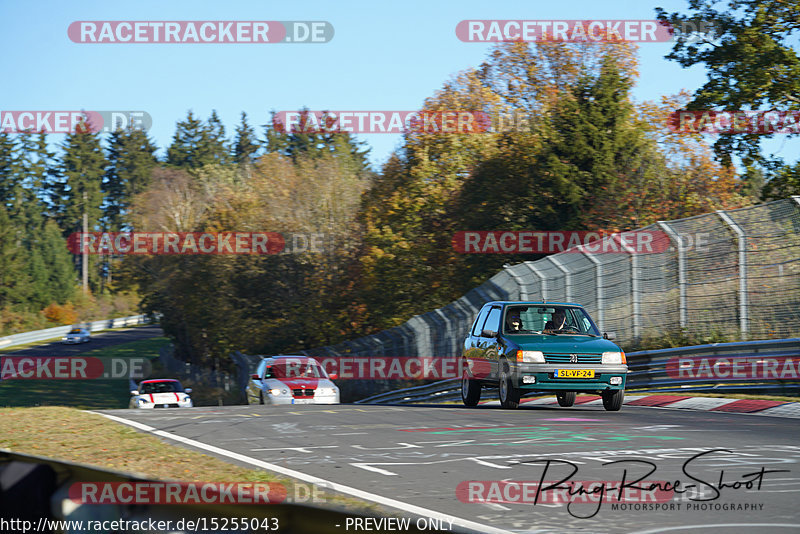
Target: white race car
291,380
161,393
77,335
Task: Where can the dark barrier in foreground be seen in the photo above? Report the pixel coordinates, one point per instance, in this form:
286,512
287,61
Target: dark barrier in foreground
39,494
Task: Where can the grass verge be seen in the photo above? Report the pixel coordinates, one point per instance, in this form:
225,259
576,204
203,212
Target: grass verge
94,394
76,436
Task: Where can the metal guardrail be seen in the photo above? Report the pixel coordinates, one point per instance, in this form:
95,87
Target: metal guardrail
648,369
426,392
648,373
59,331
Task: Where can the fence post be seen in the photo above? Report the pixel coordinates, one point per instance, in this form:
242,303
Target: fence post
742,240
523,293
598,286
542,278
682,307
567,277
636,295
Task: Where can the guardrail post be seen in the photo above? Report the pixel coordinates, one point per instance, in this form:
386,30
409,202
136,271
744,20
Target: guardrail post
567,277
542,278
742,241
682,307
598,286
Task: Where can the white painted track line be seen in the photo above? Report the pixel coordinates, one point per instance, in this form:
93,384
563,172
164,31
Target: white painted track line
335,486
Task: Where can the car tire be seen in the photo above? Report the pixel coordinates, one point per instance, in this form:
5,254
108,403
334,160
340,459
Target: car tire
509,395
470,390
566,398
261,397
612,400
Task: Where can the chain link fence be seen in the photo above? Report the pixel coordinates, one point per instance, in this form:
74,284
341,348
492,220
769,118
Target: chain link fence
735,274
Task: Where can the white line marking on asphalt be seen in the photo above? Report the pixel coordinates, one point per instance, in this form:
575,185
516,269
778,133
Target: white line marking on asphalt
375,469
298,449
495,506
334,486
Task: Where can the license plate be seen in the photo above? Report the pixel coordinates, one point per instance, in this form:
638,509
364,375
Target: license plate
574,373
302,401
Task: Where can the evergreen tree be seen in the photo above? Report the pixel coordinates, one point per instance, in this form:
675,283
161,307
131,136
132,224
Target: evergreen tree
183,152
34,168
77,190
61,274
245,146
311,142
79,181
196,144
275,137
131,160
14,279
8,170
215,146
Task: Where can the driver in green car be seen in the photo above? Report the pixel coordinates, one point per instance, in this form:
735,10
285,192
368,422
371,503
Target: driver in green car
558,320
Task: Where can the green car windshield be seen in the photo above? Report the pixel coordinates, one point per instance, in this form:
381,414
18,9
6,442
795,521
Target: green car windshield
546,319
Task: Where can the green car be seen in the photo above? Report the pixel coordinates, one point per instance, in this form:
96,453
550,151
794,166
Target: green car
541,346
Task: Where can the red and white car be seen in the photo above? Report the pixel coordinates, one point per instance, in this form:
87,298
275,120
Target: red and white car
161,393
291,380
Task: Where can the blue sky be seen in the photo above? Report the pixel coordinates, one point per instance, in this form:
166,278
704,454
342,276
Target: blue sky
384,56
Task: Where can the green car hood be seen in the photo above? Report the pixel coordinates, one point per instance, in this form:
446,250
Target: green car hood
563,344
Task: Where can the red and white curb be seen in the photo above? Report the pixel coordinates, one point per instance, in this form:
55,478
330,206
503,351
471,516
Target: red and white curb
679,402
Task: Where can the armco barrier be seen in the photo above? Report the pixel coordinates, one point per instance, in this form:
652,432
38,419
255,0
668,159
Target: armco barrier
725,367
649,372
35,489
59,331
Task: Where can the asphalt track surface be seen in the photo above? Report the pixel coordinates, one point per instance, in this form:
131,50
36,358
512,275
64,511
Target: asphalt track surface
418,456
99,340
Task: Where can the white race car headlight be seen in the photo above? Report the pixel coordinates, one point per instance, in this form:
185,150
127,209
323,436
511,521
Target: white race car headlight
326,391
277,391
613,358
530,356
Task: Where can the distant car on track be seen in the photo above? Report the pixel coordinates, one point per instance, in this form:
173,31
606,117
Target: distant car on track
541,346
291,380
161,393
77,335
